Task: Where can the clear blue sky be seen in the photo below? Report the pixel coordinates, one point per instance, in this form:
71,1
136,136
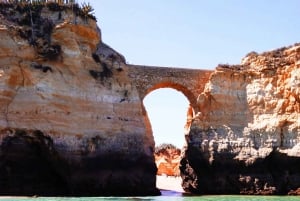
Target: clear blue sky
193,34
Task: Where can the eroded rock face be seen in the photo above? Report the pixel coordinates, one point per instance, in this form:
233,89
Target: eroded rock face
72,120
30,165
167,159
246,138
72,123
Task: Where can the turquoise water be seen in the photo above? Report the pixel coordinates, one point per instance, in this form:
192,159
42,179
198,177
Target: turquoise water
166,195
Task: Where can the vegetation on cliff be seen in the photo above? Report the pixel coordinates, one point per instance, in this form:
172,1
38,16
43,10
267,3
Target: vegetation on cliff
27,18
165,146
271,59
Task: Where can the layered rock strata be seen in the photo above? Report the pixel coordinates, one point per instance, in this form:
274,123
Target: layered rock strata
246,137
71,122
167,159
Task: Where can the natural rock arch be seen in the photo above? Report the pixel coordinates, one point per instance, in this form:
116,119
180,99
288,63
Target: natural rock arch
178,87
190,82
183,91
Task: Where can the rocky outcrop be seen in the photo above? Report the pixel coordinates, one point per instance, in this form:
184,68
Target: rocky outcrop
30,165
246,137
167,158
71,121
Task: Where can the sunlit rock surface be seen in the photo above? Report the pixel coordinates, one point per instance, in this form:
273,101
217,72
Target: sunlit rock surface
71,122
246,137
167,159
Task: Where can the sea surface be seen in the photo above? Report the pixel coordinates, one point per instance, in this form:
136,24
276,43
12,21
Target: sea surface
166,195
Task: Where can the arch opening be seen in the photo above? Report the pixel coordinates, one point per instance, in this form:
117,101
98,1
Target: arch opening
168,111
178,87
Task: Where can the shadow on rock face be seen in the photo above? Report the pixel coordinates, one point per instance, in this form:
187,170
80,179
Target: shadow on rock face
29,165
276,174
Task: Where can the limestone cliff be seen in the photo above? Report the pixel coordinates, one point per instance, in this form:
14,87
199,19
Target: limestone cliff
246,137
167,159
71,122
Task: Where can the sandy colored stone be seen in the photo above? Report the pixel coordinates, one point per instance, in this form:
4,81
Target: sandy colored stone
247,125
76,99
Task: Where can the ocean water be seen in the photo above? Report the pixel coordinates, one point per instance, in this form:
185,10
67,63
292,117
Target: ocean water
166,195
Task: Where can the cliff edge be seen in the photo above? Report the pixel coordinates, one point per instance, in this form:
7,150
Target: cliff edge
71,121
246,137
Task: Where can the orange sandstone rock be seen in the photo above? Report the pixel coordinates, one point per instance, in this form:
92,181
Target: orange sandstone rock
74,125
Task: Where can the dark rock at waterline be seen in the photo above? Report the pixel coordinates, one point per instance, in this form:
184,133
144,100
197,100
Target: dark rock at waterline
31,165
276,174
